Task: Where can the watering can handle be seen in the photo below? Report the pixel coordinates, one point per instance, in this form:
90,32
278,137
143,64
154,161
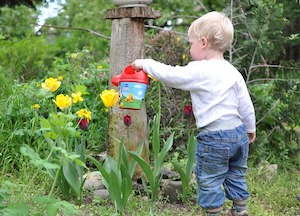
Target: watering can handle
130,70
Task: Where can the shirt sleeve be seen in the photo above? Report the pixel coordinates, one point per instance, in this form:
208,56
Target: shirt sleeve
246,108
180,77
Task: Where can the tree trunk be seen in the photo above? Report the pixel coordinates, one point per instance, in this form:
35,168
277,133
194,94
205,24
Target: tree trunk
127,44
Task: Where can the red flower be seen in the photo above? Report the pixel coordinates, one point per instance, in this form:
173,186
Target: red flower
187,110
127,120
83,123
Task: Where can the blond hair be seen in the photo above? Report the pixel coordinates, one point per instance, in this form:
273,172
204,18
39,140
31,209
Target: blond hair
216,27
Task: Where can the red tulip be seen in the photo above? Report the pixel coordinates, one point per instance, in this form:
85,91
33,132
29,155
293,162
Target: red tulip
187,110
83,123
127,120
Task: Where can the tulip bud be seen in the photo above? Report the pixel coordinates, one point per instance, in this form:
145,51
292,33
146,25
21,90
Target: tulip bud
83,123
127,120
187,111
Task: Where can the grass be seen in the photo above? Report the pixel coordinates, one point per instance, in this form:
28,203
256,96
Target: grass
274,197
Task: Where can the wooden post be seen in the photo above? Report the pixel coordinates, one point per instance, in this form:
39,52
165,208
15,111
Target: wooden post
127,44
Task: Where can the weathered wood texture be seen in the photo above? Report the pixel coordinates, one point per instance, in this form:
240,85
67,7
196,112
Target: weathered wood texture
133,12
127,44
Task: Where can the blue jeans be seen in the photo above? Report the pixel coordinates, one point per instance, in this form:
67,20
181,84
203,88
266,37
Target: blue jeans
221,159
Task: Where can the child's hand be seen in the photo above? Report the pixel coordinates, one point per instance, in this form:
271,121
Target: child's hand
137,64
252,137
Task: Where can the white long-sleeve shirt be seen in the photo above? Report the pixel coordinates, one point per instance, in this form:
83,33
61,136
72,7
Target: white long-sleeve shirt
218,91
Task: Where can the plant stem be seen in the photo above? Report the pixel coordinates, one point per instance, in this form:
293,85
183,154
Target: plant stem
54,182
129,147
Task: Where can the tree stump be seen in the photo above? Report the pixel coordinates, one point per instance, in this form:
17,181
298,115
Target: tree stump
127,44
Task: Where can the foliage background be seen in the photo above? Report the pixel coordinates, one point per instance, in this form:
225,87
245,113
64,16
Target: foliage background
266,51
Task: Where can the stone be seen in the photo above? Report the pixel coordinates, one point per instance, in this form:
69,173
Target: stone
93,181
102,193
172,190
169,174
267,170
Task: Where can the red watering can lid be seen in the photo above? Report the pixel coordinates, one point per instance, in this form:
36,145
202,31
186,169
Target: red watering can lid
130,75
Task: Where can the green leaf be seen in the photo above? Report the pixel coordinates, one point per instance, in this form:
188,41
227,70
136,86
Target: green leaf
35,158
47,164
4,195
43,93
153,180
29,152
111,164
45,123
52,209
184,179
126,190
191,149
19,132
67,208
71,131
120,156
144,165
54,206
124,155
156,139
167,146
44,199
133,163
80,163
71,175
17,209
64,185
82,89
115,190
104,173
126,185
51,135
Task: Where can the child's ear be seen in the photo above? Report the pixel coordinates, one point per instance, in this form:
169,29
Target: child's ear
204,42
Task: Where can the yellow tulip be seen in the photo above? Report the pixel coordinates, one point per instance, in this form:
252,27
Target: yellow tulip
77,97
60,78
51,84
84,113
36,106
63,101
109,97
74,55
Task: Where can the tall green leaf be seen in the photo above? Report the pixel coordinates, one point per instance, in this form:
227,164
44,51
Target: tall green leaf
156,138
184,179
191,149
133,163
115,190
72,176
167,146
99,166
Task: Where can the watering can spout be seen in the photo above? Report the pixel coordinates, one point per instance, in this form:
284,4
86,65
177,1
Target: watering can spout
115,80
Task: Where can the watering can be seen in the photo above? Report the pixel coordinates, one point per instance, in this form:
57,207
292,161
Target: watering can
133,86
